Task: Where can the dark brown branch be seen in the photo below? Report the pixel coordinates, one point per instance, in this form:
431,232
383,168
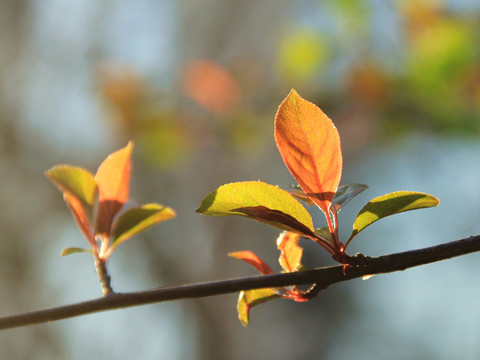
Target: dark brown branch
323,277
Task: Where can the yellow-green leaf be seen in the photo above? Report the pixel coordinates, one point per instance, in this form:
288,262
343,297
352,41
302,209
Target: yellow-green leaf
79,192
136,220
76,180
250,298
390,204
74,250
259,201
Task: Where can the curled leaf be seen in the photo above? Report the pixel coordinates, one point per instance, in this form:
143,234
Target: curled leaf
261,202
252,259
310,147
290,252
113,180
390,204
250,298
136,220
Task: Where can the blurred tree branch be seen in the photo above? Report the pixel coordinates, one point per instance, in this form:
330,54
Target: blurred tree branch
360,266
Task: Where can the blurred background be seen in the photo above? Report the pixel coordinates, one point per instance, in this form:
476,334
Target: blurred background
196,85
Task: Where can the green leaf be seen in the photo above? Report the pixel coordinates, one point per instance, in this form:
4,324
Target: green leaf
259,201
390,204
74,250
250,298
79,192
76,180
136,220
345,193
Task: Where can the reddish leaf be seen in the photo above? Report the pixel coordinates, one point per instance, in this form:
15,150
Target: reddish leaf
78,212
113,181
250,298
310,147
290,252
252,259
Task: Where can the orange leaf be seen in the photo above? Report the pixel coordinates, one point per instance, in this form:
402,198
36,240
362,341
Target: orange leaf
290,252
78,212
310,147
113,181
252,259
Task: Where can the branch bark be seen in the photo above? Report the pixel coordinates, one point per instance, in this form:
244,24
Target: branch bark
323,277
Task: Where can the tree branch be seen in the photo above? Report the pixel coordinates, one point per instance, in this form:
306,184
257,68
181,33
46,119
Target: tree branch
323,277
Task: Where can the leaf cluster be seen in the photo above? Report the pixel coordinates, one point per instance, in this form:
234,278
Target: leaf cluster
309,144
97,203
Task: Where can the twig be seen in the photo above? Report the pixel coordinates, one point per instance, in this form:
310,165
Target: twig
323,277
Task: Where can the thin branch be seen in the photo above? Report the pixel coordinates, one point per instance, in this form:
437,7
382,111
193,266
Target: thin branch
322,277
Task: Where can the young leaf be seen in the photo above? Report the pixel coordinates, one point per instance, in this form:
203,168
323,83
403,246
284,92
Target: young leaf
252,259
250,298
390,204
298,193
113,180
74,250
345,193
259,201
290,252
310,147
136,220
80,216
78,181
325,234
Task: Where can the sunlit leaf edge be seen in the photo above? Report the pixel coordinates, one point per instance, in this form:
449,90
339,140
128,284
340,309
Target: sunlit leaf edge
257,297
374,205
135,220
